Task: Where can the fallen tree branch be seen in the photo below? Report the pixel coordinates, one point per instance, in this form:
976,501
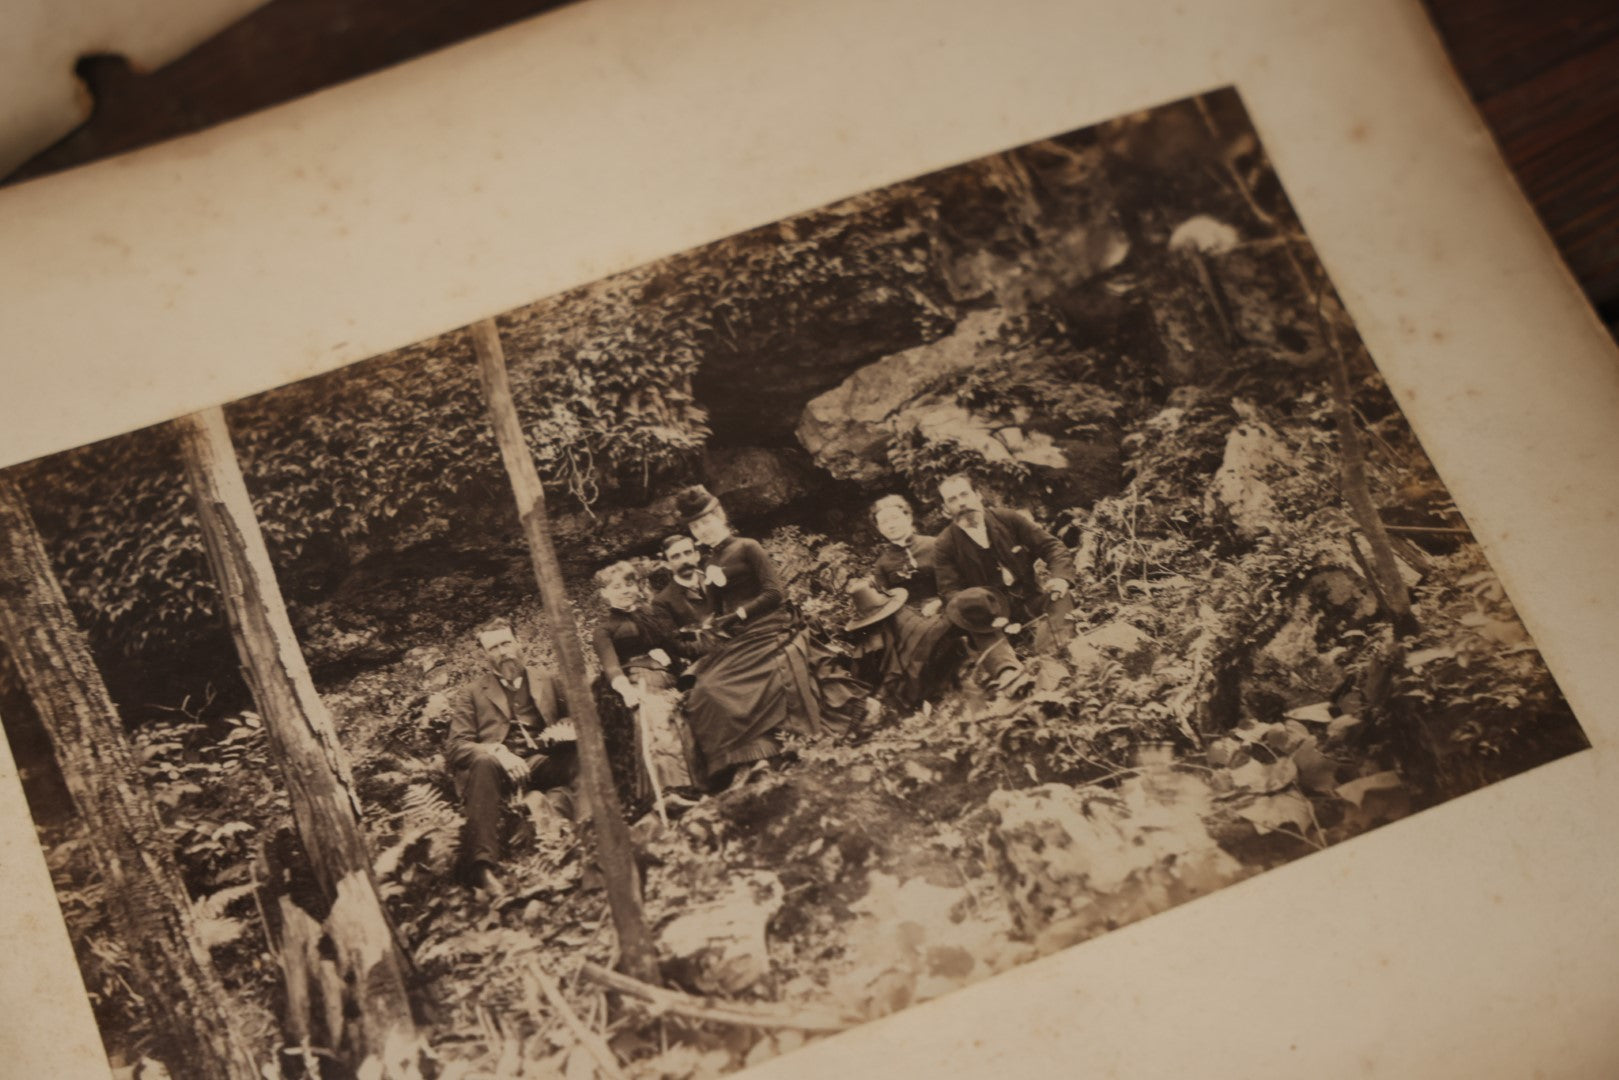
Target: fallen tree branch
728,1012
1423,529
591,1041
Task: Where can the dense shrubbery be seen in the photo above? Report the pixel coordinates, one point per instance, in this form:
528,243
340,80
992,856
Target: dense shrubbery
1475,694
122,533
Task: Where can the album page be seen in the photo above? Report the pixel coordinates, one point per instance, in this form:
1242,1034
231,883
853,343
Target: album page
869,538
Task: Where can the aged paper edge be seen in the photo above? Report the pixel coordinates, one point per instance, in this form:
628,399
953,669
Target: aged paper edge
1478,939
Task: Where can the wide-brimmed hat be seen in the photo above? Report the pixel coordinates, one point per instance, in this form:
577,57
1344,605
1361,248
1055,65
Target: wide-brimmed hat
977,610
694,502
871,605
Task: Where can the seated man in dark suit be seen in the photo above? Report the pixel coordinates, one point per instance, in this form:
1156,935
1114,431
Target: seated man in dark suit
997,548
503,738
685,600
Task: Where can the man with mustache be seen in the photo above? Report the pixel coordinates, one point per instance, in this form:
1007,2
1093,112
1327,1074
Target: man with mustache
499,743
685,600
997,548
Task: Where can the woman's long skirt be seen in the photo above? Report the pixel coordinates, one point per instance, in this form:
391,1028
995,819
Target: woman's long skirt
652,736
770,676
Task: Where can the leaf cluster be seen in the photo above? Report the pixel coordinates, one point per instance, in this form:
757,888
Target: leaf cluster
1474,681
816,572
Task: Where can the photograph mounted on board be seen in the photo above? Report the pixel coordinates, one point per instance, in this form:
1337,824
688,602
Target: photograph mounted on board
706,660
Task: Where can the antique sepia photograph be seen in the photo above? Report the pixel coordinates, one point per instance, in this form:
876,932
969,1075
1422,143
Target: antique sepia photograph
672,672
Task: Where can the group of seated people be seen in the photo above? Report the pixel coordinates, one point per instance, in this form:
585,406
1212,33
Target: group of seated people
710,673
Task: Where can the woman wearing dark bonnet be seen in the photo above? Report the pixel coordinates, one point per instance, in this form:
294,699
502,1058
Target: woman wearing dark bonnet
764,674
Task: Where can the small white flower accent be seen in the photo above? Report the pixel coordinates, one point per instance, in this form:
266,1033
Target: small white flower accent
714,576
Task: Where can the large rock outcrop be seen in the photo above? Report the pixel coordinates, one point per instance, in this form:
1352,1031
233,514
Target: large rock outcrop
1076,862
850,430
1255,456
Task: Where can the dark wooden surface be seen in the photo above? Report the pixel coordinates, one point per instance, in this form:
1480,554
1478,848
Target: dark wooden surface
1546,77
1545,74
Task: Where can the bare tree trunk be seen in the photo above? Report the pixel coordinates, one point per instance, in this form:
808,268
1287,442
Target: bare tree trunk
612,836
146,897
1352,471
380,1028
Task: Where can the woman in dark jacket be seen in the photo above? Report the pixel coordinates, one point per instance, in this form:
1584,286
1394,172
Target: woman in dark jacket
639,657
763,674
906,560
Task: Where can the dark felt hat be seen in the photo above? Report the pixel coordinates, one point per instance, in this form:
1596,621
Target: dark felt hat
977,610
871,605
693,503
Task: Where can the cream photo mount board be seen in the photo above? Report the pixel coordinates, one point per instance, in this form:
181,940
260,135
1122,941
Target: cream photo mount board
1478,939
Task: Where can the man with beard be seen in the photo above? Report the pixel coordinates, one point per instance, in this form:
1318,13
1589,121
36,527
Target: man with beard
997,548
685,600
499,744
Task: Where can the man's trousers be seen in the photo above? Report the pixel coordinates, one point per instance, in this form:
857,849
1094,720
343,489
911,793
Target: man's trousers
489,787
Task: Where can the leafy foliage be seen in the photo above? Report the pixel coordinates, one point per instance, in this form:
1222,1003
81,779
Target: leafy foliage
867,252
816,571
1037,385
124,539
1474,685
922,461
103,962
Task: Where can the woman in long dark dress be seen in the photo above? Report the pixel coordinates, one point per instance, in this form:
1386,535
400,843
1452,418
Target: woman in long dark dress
639,657
764,674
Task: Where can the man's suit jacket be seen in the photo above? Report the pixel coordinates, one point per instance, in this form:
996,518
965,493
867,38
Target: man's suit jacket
1015,542
482,714
674,601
